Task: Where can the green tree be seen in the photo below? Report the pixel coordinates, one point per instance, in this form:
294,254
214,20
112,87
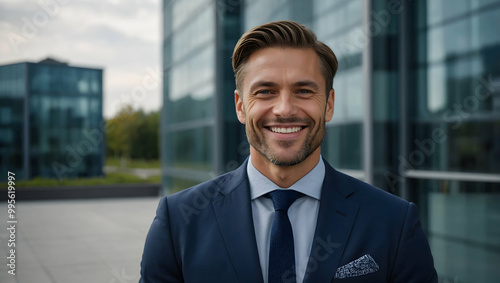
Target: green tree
134,134
145,140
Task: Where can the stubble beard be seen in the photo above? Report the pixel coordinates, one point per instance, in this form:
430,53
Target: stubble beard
310,144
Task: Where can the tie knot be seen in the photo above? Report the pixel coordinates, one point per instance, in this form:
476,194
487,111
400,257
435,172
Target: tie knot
282,199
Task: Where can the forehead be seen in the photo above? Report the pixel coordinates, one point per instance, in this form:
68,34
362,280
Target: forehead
282,64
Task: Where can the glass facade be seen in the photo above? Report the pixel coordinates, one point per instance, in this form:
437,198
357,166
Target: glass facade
198,37
453,155
462,224
12,120
340,25
456,66
53,120
417,111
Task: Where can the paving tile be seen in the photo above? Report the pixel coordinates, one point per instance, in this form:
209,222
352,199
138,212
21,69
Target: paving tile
83,273
33,274
78,240
7,278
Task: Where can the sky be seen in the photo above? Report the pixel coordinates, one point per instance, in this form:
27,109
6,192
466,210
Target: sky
121,37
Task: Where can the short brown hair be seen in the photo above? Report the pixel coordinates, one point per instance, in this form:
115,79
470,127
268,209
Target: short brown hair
283,34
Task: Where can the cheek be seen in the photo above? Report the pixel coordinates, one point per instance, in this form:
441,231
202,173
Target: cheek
315,110
256,111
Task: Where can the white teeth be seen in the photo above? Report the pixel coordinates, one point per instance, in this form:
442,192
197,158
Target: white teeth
286,130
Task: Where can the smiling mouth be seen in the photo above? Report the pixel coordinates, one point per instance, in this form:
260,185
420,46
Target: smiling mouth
285,130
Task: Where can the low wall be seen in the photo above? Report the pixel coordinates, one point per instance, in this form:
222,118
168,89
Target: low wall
84,192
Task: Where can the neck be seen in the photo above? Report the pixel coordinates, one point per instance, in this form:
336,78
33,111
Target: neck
284,176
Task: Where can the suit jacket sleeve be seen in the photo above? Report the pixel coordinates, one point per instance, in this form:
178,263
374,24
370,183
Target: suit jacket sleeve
413,262
159,263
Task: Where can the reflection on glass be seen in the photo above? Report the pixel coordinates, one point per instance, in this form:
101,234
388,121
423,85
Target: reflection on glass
12,92
83,86
192,73
193,149
261,11
486,24
349,103
339,24
333,17
463,227
183,10
191,88
448,41
436,88
455,97
343,146
442,10
63,102
194,34
458,146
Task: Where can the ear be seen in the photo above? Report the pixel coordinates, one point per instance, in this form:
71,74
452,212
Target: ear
330,103
238,103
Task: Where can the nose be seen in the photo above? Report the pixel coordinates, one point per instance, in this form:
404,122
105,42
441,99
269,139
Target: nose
285,105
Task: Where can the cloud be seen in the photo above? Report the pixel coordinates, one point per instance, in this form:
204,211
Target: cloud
122,37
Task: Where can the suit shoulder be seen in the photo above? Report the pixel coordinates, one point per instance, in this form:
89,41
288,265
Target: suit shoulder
372,194
379,206
191,208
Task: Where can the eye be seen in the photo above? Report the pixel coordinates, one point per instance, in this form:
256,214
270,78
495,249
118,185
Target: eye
305,91
264,93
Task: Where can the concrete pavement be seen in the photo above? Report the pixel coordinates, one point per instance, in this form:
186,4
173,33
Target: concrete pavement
77,240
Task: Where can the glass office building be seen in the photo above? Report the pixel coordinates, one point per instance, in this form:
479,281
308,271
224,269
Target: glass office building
200,135
51,120
417,108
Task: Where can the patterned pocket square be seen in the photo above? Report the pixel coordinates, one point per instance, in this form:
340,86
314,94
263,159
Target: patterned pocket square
359,267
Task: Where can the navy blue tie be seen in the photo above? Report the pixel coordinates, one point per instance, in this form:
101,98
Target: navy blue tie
281,252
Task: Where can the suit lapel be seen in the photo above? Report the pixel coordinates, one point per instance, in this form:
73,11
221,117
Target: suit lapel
335,220
233,211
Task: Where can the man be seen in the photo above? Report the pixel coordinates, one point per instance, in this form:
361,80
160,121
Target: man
285,215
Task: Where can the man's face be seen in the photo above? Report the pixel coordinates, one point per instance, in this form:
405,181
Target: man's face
283,104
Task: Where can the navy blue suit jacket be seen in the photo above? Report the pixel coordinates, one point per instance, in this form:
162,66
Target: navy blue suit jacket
206,234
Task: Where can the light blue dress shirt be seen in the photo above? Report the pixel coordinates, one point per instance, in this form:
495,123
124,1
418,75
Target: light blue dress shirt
303,214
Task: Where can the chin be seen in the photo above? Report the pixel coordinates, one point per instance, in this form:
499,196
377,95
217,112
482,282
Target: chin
286,160
285,163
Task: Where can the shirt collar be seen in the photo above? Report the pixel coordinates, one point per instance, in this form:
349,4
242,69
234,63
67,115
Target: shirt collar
309,185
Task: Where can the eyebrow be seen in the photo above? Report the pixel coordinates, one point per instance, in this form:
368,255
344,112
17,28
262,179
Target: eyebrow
305,83
258,84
